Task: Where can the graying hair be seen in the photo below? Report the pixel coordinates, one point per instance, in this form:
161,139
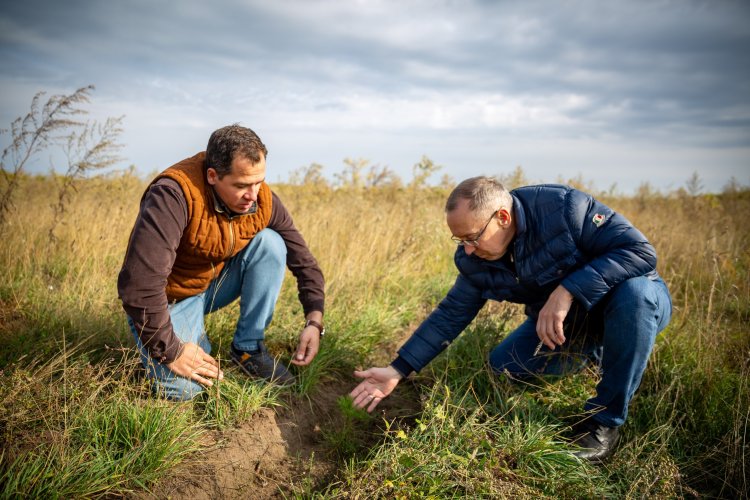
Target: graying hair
485,194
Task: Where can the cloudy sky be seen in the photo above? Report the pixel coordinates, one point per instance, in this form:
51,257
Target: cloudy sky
614,92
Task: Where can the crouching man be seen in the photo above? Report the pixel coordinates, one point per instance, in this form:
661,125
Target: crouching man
209,231
589,282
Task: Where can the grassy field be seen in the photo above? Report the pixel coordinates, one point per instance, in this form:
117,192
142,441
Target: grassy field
77,418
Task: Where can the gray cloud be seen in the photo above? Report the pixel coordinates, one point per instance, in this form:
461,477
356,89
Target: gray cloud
499,83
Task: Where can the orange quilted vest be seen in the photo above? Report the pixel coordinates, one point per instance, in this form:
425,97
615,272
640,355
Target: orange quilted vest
211,237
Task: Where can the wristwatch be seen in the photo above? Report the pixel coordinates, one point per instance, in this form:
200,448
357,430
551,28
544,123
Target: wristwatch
312,322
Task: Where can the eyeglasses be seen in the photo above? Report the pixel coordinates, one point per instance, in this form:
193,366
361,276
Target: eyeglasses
474,242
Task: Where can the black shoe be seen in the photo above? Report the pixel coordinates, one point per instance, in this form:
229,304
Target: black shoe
597,441
260,364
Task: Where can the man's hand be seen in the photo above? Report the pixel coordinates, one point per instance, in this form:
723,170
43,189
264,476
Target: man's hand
196,364
377,384
549,325
309,343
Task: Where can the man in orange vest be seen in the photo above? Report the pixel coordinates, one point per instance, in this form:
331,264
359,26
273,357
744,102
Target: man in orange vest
209,231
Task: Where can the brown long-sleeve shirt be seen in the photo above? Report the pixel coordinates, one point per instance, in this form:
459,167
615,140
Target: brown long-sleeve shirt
152,251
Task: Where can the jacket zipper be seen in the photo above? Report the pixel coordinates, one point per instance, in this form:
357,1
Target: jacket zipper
231,239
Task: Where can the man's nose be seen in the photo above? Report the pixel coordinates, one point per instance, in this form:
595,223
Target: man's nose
252,194
469,249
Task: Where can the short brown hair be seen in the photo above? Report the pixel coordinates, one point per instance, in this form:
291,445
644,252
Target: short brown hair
229,142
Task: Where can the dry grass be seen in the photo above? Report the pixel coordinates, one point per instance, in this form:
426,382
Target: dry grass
387,258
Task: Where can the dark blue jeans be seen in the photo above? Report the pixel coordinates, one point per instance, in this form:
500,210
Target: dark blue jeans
618,334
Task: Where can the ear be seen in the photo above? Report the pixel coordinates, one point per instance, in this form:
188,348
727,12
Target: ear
212,176
504,217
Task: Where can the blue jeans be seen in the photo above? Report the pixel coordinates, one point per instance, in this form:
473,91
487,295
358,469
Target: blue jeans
618,334
255,276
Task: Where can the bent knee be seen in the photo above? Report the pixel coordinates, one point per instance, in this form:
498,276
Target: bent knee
635,289
271,246
268,238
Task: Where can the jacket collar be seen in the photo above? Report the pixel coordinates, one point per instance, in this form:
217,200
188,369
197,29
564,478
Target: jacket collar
519,215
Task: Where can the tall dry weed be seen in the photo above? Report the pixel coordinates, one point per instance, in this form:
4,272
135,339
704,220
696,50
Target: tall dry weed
387,258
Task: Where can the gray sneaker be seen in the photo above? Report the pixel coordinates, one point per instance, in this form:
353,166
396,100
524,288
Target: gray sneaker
260,364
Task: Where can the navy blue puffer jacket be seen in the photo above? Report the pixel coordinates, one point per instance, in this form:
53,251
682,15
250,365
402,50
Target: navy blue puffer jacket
563,236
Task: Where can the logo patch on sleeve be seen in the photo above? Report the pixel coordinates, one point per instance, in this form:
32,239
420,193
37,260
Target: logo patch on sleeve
597,219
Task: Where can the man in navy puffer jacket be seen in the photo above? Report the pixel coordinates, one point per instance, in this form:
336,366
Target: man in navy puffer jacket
586,276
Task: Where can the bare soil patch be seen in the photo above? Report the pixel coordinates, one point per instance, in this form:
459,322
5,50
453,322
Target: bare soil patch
278,452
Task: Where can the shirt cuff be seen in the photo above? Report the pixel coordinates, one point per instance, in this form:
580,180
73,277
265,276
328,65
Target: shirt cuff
402,366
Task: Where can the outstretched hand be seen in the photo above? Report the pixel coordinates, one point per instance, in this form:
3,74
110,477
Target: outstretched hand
196,364
377,384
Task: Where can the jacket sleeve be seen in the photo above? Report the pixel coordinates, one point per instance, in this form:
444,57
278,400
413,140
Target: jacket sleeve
614,249
299,259
454,313
151,253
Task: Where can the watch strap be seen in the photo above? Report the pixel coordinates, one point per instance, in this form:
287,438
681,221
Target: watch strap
312,322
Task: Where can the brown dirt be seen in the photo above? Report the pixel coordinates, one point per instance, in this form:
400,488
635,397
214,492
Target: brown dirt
278,452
